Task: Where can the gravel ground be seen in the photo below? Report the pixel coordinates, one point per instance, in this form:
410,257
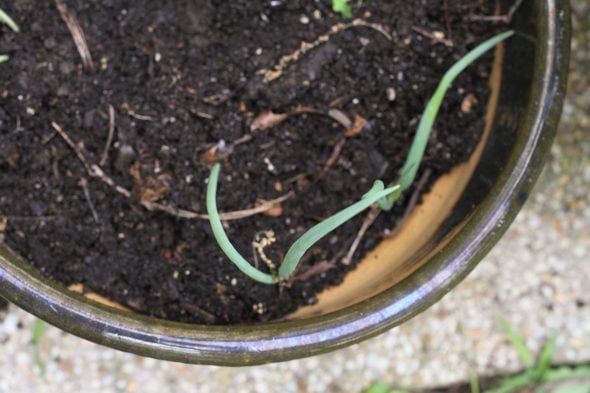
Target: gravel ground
536,278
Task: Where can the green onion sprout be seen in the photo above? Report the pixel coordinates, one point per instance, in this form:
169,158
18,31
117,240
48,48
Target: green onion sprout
7,20
385,197
410,168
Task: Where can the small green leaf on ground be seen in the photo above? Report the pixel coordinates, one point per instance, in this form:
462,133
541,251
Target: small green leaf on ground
38,331
342,7
518,343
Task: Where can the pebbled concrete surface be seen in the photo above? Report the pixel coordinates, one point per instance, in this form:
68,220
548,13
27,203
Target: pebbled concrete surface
536,278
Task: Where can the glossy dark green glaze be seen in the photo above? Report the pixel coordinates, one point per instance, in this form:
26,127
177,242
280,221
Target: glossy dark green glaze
534,78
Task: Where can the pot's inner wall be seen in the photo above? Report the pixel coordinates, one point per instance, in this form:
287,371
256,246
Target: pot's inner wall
456,195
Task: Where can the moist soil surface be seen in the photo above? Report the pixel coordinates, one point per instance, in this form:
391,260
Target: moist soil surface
180,86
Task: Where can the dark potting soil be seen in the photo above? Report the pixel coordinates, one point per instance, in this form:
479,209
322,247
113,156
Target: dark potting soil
184,82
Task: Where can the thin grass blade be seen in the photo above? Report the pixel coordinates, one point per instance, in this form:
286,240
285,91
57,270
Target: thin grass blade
38,332
422,136
544,362
8,21
319,231
527,358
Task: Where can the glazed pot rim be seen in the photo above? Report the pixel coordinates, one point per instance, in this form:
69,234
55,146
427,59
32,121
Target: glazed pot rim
279,341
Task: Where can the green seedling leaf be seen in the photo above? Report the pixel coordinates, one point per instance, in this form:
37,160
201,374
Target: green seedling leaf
318,232
527,358
38,331
566,372
8,21
342,7
544,362
418,147
378,194
304,243
221,236
515,383
3,58
474,382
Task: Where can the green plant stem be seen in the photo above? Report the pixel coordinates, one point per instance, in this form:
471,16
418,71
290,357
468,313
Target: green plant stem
38,332
304,243
221,236
7,20
319,231
518,343
422,136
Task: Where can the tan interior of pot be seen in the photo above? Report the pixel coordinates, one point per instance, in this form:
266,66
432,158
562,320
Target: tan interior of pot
396,257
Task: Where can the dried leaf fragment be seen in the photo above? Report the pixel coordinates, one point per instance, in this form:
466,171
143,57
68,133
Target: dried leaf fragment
357,127
149,189
276,210
268,119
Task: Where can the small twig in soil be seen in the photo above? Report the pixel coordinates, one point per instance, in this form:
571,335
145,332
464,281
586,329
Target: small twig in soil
228,216
27,218
436,36
196,310
139,117
84,184
333,158
369,220
105,153
340,117
367,223
97,172
136,115
314,270
276,71
72,145
506,18
447,20
77,35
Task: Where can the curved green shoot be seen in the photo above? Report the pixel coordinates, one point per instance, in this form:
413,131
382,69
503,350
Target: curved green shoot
221,236
3,58
8,21
300,247
319,231
342,7
422,136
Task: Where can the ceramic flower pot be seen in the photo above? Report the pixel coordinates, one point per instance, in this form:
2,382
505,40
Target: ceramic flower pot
460,221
